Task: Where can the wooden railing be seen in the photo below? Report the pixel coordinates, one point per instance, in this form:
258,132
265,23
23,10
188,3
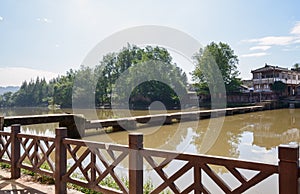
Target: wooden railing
88,164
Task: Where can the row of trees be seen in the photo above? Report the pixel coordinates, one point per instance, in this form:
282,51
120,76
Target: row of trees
94,86
138,76
31,93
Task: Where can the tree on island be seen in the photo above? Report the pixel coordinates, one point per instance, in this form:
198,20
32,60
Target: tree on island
220,56
133,63
151,81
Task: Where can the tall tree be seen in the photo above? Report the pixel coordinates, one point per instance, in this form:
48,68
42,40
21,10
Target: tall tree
136,63
278,87
214,56
83,91
297,66
63,88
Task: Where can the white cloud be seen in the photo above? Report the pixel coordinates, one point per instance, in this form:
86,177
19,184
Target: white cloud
255,54
274,40
265,43
14,76
44,20
1,18
297,40
264,48
296,29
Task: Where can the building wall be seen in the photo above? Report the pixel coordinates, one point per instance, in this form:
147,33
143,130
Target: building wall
250,97
262,80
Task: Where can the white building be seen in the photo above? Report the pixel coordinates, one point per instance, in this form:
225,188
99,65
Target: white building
264,77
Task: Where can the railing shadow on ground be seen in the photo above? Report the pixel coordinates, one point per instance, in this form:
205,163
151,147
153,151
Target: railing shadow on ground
96,161
8,185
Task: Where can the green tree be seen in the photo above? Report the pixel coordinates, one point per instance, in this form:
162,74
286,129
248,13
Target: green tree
83,91
151,81
106,73
278,87
88,87
152,69
62,89
296,66
7,99
213,56
128,60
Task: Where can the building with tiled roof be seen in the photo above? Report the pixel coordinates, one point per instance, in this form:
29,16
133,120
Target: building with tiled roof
264,77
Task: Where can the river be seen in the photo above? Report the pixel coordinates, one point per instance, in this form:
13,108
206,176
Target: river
252,136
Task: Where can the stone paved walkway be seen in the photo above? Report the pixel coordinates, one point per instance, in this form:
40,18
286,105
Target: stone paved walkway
25,184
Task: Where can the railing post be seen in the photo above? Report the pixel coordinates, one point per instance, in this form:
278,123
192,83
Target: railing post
1,123
60,160
135,163
15,151
288,169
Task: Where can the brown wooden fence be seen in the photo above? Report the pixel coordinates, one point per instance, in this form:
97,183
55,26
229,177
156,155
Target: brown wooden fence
88,164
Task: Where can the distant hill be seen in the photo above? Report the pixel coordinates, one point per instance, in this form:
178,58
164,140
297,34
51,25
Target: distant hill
8,89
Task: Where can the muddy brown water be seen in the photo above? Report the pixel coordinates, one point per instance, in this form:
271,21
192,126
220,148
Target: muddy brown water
251,136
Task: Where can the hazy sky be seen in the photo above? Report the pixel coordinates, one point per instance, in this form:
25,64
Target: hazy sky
49,37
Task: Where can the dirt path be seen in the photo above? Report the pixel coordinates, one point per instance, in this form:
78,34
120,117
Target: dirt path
25,184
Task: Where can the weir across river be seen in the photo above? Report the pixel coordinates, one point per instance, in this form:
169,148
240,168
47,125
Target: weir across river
78,124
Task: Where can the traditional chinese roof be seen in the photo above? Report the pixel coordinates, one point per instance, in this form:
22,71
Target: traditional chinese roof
269,68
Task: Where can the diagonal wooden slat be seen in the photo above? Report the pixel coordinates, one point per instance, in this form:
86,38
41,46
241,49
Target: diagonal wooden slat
111,154
216,178
256,179
109,169
46,156
237,174
78,163
162,174
5,146
26,150
192,187
169,182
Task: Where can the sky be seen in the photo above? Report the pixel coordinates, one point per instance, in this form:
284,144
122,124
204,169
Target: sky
47,38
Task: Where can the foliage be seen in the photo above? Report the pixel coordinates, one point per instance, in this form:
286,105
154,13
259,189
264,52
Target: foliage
4,165
110,183
296,67
87,87
151,81
122,71
213,58
278,87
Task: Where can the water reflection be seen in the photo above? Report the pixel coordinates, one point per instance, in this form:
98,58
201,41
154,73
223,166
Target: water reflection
27,111
259,132
252,136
